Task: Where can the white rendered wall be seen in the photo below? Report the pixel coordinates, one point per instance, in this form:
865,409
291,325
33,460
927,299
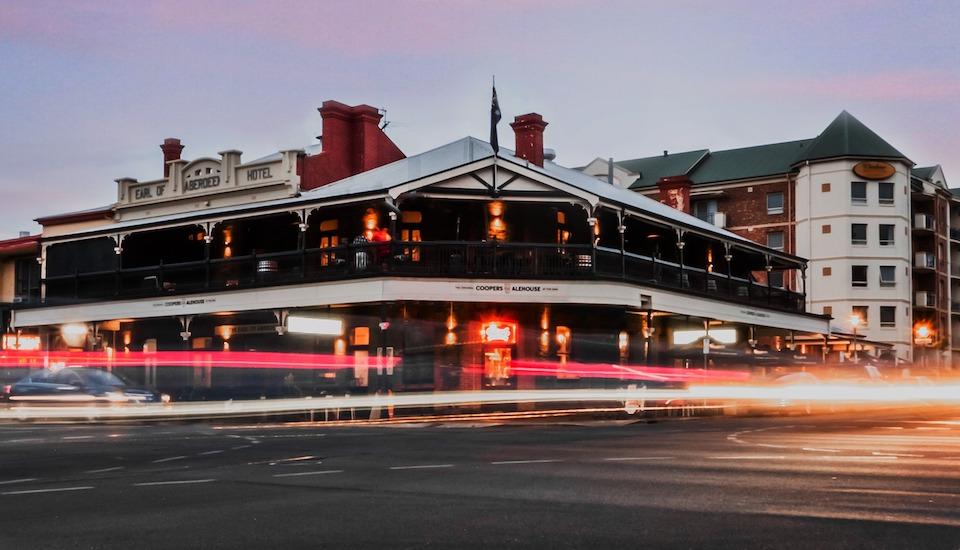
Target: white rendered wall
816,208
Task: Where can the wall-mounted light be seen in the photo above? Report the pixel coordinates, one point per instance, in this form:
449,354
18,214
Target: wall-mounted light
74,334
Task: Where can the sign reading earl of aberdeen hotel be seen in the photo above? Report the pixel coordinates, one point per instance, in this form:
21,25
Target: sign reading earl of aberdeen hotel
212,180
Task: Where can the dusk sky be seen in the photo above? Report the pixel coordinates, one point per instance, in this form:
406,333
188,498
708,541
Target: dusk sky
90,89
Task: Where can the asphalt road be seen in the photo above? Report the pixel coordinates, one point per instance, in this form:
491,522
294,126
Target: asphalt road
884,480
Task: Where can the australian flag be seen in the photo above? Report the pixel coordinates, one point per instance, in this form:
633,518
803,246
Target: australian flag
494,119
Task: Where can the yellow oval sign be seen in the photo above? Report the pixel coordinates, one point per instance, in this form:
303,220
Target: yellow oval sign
874,170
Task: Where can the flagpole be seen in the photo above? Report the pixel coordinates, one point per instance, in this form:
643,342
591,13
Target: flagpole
496,151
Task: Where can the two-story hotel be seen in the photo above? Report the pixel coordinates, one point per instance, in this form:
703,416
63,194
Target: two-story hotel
461,267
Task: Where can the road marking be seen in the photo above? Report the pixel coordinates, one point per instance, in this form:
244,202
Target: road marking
626,458
541,461
747,457
169,459
207,453
314,473
857,458
893,492
421,467
25,440
102,470
240,447
21,480
53,490
68,437
878,453
819,450
178,482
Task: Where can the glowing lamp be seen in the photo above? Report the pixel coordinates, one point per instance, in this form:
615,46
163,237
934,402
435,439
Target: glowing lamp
74,334
855,320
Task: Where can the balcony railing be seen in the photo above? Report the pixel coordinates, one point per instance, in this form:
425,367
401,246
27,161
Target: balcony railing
413,259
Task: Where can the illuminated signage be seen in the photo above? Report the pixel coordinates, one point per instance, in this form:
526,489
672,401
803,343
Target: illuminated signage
314,325
24,342
496,332
722,335
874,170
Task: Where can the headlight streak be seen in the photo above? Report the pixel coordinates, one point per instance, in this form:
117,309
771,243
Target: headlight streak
821,393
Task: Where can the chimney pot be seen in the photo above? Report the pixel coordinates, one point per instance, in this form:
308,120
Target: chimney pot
528,130
171,151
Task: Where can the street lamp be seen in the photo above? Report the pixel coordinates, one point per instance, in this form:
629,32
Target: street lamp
855,321
923,337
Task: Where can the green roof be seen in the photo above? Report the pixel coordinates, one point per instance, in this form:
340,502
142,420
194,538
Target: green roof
716,166
924,173
844,137
650,169
749,162
848,137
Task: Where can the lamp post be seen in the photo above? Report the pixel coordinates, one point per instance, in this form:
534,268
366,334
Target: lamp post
855,321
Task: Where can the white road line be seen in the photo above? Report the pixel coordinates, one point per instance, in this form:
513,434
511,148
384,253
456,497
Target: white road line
53,490
314,473
857,458
69,437
178,482
207,453
747,457
24,440
542,461
169,459
21,480
626,458
892,492
240,447
878,453
421,467
819,450
103,470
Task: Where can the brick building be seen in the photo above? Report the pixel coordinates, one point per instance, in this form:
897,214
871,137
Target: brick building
874,227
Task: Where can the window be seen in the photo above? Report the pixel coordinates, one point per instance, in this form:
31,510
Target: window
886,234
705,210
888,316
824,187
858,192
885,190
26,279
827,271
776,279
863,312
775,240
775,203
828,310
825,228
858,233
858,276
888,275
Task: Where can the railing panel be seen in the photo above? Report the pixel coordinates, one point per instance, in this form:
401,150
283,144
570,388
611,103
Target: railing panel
420,259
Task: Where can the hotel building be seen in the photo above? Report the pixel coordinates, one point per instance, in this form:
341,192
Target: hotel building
464,268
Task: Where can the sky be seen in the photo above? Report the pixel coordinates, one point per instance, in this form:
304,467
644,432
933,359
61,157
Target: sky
88,90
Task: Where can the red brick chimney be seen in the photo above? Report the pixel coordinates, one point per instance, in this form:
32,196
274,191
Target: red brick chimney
171,151
352,143
528,130
675,192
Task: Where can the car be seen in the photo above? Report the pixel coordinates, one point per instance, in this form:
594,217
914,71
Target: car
78,385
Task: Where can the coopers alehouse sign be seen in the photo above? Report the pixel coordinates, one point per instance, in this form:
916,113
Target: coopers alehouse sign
156,190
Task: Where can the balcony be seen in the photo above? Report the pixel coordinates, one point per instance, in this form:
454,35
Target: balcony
924,260
925,299
923,222
955,233
495,260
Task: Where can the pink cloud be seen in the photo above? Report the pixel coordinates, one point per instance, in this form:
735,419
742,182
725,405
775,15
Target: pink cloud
881,85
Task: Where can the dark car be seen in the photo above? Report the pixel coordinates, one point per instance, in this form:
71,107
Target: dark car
78,385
